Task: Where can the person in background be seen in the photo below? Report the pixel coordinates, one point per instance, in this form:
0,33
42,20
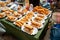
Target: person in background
34,2
55,26
57,4
50,1
51,4
46,4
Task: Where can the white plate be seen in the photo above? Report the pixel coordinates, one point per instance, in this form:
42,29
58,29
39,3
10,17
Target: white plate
35,30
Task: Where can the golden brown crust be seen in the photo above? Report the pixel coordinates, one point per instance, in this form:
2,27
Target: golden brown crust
28,26
11,18
41,10
40,16
1,15
16,14
34,24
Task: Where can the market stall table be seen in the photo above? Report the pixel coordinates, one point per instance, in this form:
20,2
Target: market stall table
16,31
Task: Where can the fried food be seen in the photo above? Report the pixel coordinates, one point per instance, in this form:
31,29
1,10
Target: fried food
28,29
8,13
36,8
38,19
11,11
11,18
41,10
25,19
16,14
19,23
24,10
35,24
2,15
41,16
20,12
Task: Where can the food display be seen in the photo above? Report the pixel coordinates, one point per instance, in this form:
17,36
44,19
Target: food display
29,21
2,4
24,19
16,14
35,24
8,13
37,19
29,29
11,18
2,15
41,10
